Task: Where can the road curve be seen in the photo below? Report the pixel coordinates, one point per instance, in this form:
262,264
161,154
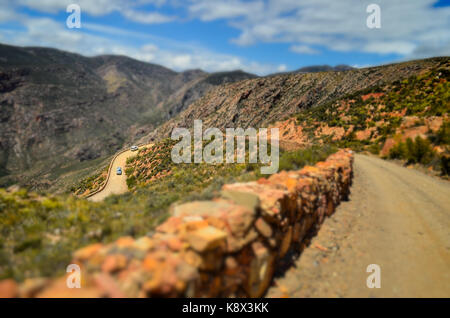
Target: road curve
397,218
116,184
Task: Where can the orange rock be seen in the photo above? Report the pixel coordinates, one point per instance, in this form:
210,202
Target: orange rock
231,263
309,169
59,289
170,226
271,196
365,134
87,252
434,123
195,225
150,263
8,289
108,286
126,241
239,220
114,263
263,227
374,95
164,281
30,287
192,258
286,242
144,244
206,238
174,243
261,270
320,247
235,243
388,145
218,223
263,181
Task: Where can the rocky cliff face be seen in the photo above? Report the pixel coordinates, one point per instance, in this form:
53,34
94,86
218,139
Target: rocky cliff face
58,109
259,102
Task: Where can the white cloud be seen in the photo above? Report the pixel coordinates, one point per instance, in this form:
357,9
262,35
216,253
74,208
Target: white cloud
6,13
398,47
408,28
208,10
147,18
129,9
96,8
106,40
411,29
303,49
150,48
282,68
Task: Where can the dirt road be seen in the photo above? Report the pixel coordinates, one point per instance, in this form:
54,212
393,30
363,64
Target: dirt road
117,184
397,218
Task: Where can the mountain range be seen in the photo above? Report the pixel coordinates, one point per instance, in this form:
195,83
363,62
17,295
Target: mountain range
64,115
60,110
262,101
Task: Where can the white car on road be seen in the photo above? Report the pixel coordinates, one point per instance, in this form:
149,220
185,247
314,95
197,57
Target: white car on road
134,148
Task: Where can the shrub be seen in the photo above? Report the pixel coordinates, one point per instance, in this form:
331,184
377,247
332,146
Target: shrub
442,136
131,181
417,151
420,151
374,149
297,159
445,165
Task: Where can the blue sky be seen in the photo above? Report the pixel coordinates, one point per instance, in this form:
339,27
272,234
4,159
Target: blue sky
258,36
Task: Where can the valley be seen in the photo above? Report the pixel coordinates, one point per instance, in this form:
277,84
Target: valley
64,114
114,183
67,123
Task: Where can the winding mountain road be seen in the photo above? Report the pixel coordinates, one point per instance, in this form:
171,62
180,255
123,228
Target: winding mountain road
116,184
397,218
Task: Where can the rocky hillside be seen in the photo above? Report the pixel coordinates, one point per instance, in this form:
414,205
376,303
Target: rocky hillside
374,109
59,111
406,120
262,101
324,68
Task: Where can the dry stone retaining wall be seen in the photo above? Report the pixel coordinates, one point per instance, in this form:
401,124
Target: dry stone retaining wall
229,246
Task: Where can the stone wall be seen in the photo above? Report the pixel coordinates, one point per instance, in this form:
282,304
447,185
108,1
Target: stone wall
229,246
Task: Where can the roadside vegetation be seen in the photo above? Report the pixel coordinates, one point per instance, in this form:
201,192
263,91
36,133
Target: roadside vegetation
421,151
365,120
38,233
90,184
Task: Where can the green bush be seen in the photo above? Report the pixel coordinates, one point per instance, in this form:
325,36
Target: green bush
420,151
374,148
399,151
417,151
294,160
445,165
131,181
442,136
